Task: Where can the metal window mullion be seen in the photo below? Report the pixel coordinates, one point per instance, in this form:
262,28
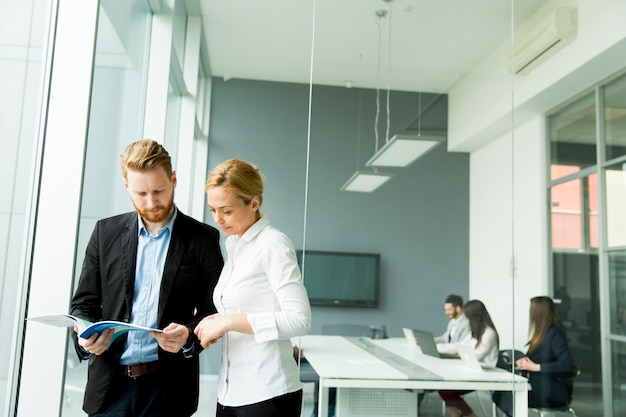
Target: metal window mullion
603,285
549,185
584,214
585,172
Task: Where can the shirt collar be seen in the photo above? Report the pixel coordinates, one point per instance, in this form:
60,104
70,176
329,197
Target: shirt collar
141,229
256,228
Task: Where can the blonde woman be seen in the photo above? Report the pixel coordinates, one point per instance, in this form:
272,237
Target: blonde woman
260,299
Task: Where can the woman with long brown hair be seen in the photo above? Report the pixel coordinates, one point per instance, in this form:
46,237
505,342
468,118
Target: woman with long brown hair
548,358
484,339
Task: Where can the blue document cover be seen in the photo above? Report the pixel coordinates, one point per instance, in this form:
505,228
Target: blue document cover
86,328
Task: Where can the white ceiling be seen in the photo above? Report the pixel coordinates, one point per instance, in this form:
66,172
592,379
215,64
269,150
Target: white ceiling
433,43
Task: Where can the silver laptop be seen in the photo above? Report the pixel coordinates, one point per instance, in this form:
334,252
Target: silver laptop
466,353
427,343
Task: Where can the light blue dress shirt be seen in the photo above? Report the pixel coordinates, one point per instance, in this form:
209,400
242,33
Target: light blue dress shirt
151,254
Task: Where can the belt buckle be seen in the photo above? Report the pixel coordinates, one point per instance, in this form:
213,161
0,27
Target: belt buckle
129,372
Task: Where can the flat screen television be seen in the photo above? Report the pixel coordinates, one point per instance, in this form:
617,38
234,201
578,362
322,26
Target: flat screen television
342,279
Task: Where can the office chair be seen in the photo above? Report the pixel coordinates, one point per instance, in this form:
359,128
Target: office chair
503,400
566,410
507,358
307,373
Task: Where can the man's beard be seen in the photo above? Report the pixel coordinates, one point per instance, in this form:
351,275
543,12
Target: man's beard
164,212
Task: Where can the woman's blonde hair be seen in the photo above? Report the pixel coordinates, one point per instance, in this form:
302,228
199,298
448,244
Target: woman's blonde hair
238,177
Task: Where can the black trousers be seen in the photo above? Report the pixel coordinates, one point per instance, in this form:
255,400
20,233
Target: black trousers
135,397
288,405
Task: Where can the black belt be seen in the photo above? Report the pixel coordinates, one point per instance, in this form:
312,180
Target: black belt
140,369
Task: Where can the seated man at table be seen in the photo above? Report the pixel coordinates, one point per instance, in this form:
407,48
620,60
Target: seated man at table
457,329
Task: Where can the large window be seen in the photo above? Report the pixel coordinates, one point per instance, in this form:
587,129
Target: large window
574,210
573,136
588,227
615,176
23,38
615,119
115,119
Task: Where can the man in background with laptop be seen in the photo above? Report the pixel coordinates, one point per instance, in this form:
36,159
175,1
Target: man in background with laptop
457,329
458,326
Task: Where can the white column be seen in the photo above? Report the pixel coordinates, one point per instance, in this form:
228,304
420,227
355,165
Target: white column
201,152
185,160
198,200
159,72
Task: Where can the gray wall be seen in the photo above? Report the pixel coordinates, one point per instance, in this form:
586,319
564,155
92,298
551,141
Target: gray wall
418,221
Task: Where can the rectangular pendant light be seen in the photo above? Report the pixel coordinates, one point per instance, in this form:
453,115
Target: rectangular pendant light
365,182
402,150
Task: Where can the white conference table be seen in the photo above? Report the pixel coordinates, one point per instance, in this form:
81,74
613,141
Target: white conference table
351,362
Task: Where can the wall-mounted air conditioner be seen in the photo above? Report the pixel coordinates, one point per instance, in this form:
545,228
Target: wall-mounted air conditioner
536,44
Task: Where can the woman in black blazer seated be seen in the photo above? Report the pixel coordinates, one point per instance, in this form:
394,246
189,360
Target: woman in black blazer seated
548,359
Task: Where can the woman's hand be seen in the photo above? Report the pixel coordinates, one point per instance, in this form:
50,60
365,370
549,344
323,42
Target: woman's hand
525,364
210,329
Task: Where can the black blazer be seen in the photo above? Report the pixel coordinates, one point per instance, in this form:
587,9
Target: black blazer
548,387
105,292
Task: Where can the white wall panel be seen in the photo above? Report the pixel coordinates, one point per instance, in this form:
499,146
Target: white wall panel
508,228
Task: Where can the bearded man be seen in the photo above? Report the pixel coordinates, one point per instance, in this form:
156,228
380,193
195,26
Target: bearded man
458,326
157,268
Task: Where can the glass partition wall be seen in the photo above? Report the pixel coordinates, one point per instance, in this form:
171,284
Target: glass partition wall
468,217
384,69
397,79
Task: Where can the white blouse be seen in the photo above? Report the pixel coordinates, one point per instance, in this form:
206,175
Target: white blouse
261,278
487,351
